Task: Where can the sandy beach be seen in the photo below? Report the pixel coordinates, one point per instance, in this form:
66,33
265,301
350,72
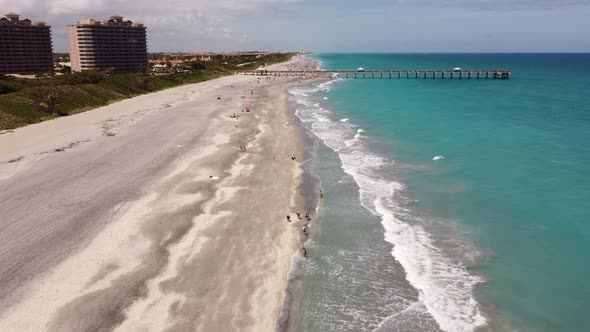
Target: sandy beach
146,215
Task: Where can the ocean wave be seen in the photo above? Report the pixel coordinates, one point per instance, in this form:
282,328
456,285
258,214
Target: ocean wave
445,286
356,140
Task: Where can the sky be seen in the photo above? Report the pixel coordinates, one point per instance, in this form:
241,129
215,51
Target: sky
333,25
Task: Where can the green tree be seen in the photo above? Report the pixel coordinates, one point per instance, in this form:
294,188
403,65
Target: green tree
197,66
50,104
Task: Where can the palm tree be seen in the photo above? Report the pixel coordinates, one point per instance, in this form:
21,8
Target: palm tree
50,103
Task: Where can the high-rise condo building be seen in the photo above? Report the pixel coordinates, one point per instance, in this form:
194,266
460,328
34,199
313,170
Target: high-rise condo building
25,48
113,44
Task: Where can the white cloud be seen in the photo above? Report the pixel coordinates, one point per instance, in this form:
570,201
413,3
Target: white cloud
497,4
172,24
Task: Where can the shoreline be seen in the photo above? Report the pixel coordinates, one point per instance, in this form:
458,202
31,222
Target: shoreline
172,248
308,187
308,197
331,128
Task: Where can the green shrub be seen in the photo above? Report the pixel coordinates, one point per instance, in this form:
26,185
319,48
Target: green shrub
26,101
8,87
84,77
21,107
9,121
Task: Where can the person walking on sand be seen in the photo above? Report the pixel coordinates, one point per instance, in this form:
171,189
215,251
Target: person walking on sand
305,230
304,252
288,218
321,194
293,157
299,215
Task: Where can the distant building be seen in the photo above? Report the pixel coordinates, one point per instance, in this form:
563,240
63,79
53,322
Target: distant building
112,44
25,48
159,68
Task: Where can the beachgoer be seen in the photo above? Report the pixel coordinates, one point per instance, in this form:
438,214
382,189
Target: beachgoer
288,218
321,194
304,252
293,157
305,230
299,215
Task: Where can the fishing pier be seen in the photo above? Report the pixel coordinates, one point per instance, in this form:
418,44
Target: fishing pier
389,74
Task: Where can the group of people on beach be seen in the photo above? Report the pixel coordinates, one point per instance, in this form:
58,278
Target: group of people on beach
307,217
305,228
236,116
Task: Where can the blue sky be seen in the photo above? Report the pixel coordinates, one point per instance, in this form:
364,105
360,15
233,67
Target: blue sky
335,25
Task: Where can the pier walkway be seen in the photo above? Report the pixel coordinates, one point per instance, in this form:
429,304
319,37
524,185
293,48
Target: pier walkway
389,74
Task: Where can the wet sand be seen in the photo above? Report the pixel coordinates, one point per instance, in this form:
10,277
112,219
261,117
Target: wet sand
110,219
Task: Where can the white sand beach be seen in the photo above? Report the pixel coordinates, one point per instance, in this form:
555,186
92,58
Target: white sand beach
145,215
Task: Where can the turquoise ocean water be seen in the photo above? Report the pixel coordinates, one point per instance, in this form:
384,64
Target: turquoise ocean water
495,236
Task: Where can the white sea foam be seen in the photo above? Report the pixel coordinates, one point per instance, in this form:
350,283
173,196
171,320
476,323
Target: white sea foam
344,120
327,85
445,287
356,140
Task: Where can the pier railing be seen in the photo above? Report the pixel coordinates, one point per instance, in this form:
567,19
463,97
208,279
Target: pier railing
432,74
